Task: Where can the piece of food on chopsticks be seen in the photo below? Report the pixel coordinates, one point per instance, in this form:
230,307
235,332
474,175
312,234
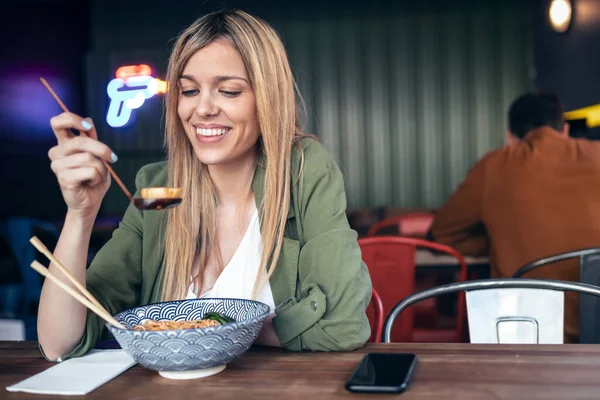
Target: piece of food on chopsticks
208,320
161,193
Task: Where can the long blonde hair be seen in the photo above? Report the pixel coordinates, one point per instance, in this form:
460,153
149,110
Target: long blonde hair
191,227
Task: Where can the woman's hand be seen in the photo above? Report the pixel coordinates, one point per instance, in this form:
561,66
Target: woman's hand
76,162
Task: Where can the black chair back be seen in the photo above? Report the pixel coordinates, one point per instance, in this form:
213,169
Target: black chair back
483,284
555,258
589,306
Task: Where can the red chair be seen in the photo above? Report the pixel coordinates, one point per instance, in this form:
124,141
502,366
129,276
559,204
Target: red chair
392,264
414,224
375,314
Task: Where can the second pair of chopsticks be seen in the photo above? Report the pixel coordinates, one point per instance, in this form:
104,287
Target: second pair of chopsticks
86,298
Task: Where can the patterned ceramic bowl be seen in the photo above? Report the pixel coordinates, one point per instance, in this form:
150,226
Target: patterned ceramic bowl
190,353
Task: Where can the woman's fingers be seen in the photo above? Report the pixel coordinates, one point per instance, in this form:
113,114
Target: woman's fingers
81,144
79,160
63,123
92,132
72,178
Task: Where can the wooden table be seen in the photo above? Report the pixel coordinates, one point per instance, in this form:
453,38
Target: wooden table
427,259
444,371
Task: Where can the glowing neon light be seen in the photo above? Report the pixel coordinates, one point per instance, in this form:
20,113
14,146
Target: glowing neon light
133,70
132,86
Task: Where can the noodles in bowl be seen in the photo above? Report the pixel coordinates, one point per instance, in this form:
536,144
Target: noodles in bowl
208,320
176,347
151,325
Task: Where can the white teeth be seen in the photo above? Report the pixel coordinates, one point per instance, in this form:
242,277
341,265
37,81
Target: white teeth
211,132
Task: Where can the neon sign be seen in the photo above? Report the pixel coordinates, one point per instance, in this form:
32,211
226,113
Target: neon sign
591,114
132,86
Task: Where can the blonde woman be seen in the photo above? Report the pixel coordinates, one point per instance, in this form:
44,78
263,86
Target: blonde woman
263,210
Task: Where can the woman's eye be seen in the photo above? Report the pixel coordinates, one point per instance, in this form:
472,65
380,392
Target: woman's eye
230,94
189,93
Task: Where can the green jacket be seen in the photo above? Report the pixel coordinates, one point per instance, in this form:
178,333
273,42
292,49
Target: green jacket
321,287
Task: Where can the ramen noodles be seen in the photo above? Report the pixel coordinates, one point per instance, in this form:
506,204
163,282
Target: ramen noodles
151,325
208,320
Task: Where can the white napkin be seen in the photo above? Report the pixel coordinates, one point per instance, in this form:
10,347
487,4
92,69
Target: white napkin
77,376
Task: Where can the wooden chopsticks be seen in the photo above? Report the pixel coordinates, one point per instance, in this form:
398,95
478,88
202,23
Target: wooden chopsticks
85,297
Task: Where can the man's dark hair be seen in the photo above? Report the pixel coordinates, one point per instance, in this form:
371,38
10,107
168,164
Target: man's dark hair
533,110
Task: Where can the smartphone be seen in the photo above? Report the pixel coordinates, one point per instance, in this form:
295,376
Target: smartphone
383,373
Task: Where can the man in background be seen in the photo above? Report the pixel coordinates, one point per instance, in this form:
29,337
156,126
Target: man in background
535,197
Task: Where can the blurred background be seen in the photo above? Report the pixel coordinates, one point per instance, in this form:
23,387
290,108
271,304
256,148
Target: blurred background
406,94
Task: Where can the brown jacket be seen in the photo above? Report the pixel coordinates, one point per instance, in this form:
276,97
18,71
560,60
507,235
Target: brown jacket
526,201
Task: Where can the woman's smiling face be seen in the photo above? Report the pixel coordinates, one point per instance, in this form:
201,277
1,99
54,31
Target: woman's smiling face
217,106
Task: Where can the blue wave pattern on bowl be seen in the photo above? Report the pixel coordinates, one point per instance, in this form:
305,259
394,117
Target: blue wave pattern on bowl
190,349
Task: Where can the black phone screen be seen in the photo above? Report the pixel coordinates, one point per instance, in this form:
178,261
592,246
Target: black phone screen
382,372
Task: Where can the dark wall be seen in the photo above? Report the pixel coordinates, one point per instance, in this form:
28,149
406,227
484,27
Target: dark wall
126,33
569,63
76,44
39,38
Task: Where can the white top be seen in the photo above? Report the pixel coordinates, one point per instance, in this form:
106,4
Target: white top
237,279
